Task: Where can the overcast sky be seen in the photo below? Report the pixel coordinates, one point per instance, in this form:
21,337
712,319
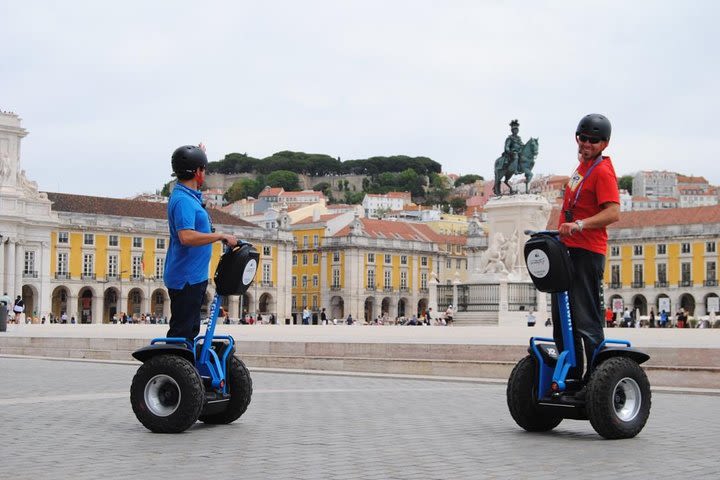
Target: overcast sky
107,90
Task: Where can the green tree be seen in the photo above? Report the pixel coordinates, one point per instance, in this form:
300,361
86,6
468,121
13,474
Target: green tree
625,183
467,179
166,189
289,181
354,198
458,204
243,188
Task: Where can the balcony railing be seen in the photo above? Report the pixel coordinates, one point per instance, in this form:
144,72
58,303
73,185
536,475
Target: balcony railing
370,288
137,277
615,285
335,288
387,289
267,284
33,274
424,290
685,283
88,276
662,284
637,284
710,283
404,289
62,276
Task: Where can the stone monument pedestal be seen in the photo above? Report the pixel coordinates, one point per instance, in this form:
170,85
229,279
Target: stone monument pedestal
500,270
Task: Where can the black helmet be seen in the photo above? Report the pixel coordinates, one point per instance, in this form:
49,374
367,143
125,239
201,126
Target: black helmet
187,159
595,125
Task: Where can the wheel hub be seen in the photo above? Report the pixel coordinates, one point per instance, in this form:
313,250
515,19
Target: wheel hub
627,399
162,395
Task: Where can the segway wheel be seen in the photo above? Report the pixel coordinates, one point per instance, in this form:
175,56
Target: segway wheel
167,394
521,401
618,398
240,388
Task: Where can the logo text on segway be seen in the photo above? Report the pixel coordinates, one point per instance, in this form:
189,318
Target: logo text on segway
538,263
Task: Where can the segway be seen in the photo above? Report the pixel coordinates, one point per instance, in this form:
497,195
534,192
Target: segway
181,381
616,396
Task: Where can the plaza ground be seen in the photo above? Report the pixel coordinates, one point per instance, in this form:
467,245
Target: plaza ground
65,419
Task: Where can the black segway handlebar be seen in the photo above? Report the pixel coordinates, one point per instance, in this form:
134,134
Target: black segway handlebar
532,233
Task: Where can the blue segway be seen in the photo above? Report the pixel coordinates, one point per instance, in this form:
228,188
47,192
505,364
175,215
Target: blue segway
615,398
181,381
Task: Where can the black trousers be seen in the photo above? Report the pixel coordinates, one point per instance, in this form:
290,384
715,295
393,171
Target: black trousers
585,307
185,307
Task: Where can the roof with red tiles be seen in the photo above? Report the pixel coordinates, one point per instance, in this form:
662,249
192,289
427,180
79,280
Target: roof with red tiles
656,218
119,207
691,179
395,230
323,218
271,192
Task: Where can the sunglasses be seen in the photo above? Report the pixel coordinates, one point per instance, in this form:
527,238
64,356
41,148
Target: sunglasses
592,140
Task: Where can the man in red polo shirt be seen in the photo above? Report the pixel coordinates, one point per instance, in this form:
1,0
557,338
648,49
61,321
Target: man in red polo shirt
591,202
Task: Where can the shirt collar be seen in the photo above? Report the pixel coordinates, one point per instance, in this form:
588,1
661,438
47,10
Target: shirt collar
195,193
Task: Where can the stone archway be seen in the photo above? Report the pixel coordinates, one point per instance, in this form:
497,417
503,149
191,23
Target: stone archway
687,303
639,303
711,303
385,307
110,304
663,302
59,302
266,305
337,308
134,303
402,307
29,296
85,305
158,299
369,309
422,306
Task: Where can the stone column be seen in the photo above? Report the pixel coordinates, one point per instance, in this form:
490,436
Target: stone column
455,284
19,264
97,308
10,270
432,292
44,302
234,306
2,265
72,307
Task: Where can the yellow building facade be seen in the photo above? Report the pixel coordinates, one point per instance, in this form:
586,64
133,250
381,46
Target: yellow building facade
664,260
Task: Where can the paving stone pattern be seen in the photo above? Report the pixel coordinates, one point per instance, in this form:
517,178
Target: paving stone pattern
64,419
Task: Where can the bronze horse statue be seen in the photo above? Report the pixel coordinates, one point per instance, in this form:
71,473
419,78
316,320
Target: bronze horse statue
505,167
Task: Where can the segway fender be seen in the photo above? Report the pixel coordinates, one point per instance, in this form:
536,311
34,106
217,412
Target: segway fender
630,352
146,353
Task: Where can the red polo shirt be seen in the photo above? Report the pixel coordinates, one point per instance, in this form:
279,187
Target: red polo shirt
598,188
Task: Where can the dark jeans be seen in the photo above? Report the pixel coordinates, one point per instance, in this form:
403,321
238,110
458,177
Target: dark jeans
185,307
585,307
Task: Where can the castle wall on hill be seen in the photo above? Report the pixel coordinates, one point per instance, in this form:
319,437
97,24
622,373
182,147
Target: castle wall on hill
224,181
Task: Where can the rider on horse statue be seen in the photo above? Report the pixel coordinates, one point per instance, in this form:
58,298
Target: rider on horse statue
518,158
513,147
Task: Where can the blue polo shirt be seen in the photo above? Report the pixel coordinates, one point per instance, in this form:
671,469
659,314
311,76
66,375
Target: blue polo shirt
183,264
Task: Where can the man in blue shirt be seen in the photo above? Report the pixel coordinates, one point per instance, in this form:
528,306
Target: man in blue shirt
191,236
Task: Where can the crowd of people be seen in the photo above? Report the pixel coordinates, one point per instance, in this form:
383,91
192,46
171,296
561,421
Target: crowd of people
682,319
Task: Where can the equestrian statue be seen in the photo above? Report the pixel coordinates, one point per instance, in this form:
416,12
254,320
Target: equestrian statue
518,158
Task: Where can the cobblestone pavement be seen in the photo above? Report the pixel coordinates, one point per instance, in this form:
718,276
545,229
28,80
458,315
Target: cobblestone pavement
63,419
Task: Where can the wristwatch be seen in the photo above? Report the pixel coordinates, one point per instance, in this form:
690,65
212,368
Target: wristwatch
580,225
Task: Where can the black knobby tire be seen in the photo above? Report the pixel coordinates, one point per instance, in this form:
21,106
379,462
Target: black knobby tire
167,394
521,398
240,389
618,398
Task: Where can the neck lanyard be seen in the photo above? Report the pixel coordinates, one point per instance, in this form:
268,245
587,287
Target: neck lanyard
582,182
